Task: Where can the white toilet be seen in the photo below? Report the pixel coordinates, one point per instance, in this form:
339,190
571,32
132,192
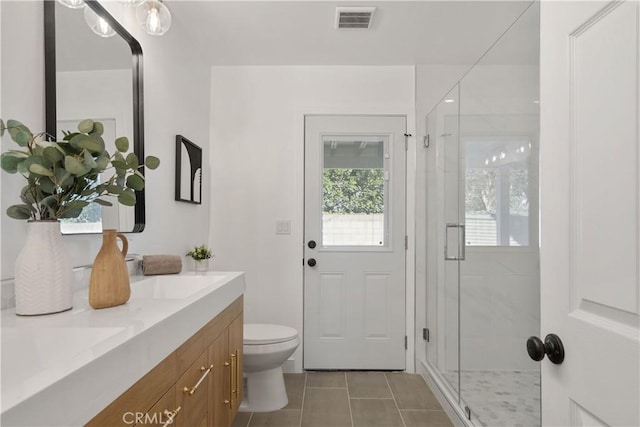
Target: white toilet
266,347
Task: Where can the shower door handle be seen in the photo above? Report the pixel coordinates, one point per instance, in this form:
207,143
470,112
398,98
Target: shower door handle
461,254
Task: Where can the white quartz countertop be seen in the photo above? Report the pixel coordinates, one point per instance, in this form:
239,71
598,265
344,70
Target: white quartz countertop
62,369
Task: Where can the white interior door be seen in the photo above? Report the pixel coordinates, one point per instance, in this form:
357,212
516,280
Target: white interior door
354,280
590,259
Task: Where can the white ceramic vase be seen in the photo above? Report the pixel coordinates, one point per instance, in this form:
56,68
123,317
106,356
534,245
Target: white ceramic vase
43,271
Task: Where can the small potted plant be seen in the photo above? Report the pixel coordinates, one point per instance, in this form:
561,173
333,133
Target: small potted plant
62,178
201,255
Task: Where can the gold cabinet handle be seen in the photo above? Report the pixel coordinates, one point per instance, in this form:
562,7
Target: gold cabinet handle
232,371
192,390
170,416
234,374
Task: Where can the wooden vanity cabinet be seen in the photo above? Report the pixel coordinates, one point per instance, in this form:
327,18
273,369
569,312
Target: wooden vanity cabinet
198,385
225,354
160,414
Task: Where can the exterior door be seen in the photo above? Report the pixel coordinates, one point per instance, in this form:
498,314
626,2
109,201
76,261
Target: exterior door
589,162
354,274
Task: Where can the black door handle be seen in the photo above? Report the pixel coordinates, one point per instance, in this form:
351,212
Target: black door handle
311,244
311,262
552,347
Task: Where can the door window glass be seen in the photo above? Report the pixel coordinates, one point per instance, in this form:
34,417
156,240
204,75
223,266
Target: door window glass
354,191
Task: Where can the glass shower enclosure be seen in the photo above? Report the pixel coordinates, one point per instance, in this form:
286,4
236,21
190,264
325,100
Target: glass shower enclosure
483,301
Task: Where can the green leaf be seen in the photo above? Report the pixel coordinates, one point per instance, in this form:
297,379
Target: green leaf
102,162
19,132
21,138
47,186
76,204
132,161
26,196
53,154
75,166
103,202
25,167
2,127
10,162
135,182
85,126
89,161
127,198
69,135
91,144
77,140
119,164
122,144
98,129
19,212
114,189
71,213
152,162
100,141
63,178
40,170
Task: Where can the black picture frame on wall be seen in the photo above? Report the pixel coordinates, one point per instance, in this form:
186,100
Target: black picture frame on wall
188,171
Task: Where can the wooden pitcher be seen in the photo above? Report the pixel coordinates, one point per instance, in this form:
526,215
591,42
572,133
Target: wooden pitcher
109,284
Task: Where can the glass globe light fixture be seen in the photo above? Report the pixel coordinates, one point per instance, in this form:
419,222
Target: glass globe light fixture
154,17
97,23
132,3
72,4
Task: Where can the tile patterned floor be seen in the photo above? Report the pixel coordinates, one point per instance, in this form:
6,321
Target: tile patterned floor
353,399
501,398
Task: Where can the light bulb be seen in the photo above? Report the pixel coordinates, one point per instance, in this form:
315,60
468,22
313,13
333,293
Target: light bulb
153,20
486,162
154,17
97,23
503,155
72,4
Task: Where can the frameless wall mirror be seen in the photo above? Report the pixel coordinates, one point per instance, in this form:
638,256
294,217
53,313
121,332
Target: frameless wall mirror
95,73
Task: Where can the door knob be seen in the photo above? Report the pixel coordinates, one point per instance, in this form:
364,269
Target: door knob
311,244
552,347
311,262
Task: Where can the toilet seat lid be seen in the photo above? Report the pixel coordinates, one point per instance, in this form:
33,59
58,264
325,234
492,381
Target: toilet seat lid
265,333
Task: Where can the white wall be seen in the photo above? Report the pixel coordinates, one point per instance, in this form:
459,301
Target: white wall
176,101
257,160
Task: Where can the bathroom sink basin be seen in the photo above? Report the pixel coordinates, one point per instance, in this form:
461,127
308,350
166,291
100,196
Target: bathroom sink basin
173,287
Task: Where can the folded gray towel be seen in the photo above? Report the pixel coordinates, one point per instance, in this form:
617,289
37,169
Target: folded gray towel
161,264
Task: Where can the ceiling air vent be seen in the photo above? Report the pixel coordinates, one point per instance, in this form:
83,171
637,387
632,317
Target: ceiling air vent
354,17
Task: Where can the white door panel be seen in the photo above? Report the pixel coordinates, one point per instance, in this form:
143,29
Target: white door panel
590,232
354,297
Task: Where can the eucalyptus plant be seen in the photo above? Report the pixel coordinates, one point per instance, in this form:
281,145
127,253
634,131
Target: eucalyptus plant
200,253
63,177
